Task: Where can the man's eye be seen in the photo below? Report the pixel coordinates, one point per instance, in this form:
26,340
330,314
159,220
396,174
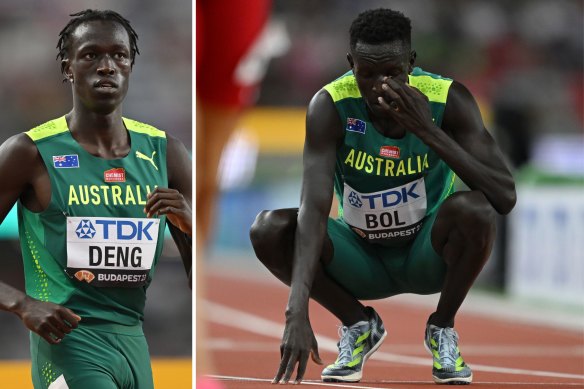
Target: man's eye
121,55
89,56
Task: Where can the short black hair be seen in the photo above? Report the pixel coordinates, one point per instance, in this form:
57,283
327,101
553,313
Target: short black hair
380,26
64,43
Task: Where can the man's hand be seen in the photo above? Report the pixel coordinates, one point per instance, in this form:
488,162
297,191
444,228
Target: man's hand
50,321
406,105
297,343
170,202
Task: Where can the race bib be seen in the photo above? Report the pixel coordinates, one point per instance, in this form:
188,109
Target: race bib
111,252
389,216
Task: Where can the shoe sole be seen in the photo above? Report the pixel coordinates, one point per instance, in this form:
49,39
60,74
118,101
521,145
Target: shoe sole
355,377
448,381
453,381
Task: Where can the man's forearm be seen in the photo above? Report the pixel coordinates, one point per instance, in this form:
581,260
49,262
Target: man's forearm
309,236
497,185
11,299
184,244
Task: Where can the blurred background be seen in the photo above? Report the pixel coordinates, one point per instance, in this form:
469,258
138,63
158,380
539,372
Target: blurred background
160,94
523,62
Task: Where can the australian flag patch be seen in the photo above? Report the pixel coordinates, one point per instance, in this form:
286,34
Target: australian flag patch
356,125
66,161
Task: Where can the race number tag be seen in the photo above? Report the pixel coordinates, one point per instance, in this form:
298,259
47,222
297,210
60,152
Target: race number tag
111,252
389,216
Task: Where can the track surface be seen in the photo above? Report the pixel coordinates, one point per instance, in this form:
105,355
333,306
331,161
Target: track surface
246,316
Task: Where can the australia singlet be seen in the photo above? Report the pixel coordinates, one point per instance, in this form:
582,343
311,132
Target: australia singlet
387,187
93,250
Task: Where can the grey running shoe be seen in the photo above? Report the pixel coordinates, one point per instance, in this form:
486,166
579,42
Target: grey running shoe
449,367
357,344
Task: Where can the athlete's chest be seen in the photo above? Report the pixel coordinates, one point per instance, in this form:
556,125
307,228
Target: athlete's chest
97,206
367,154
82,184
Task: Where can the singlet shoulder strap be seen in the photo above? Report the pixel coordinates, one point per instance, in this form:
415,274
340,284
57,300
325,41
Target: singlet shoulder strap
48,129
143,128
343,87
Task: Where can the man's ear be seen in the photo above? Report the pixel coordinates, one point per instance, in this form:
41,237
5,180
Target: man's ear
350,59
413,56
66,70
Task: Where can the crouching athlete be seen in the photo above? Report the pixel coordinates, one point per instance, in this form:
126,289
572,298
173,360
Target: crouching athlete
389,138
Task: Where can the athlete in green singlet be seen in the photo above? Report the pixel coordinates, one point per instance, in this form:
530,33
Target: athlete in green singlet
388,138
94,191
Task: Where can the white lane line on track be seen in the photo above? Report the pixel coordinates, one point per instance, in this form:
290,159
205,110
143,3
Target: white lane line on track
227,316
312,382
305,382
528,384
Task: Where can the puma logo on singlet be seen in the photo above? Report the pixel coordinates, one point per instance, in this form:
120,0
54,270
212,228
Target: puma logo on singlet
147,158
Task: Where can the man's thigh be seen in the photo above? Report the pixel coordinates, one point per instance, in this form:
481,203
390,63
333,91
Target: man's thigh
355,264
423,271
136,352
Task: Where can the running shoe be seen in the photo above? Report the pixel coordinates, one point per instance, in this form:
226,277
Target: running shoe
449,367
357,344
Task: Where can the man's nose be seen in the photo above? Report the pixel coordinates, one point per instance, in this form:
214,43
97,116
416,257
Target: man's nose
106,67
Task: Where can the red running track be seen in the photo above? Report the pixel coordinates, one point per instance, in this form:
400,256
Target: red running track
246,316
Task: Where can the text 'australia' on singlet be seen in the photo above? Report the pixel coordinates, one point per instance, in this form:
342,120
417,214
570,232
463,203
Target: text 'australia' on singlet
93,250
387,187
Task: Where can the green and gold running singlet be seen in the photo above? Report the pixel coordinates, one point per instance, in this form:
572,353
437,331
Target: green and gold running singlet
93,250
387,187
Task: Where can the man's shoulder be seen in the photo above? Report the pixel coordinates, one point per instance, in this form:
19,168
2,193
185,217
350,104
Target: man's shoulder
143,128
19,148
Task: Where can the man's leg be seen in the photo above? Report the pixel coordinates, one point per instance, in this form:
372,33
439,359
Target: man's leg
272,237
463,235
354,266
135,350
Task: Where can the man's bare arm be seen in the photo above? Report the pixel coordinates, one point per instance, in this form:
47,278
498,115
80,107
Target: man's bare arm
21,170
464,144
323,135
176,201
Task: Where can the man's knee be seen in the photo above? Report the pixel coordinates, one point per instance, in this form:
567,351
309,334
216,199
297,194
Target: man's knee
272,231
473,216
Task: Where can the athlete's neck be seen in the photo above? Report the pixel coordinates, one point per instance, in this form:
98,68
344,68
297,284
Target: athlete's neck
103,135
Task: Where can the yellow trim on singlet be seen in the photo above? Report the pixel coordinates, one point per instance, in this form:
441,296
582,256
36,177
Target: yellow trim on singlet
436,89
343,88
59,125
450,188
143,128
50,128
